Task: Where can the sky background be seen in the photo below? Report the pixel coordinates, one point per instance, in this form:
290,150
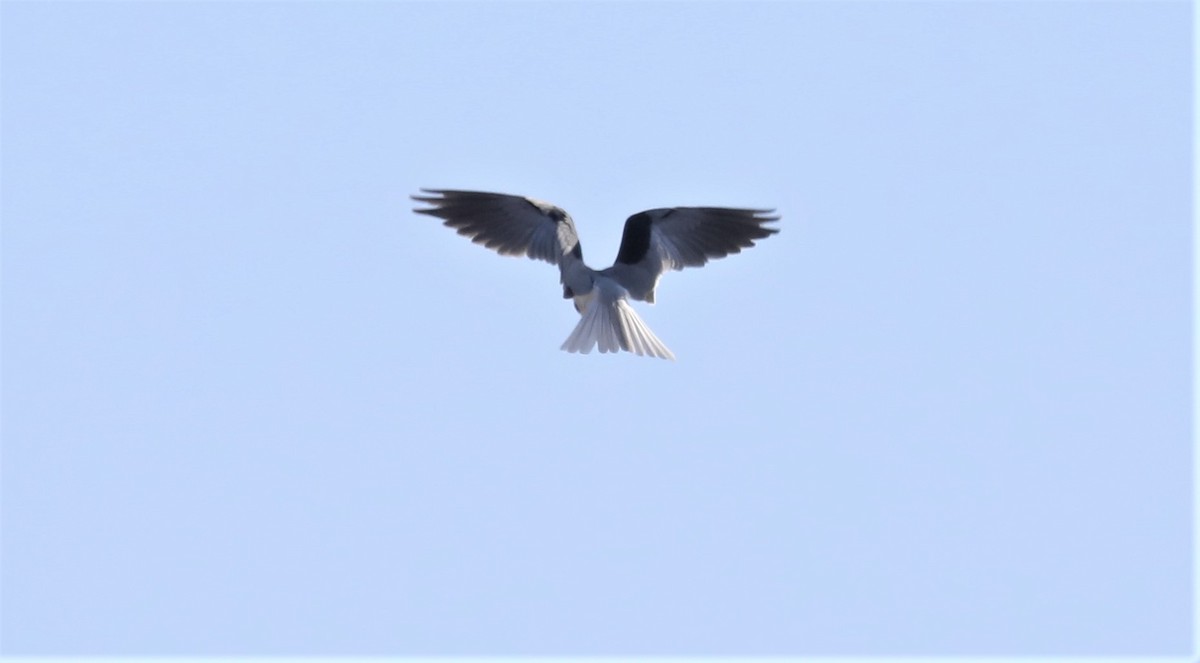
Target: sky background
253,405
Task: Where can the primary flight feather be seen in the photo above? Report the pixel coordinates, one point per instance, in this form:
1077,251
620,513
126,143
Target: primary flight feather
654,241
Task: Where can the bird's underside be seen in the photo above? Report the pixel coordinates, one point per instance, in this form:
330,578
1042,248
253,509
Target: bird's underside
654,241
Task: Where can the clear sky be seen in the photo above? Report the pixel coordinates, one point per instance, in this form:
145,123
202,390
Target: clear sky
253,405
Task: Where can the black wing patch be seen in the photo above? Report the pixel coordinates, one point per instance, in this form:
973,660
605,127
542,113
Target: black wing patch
635,241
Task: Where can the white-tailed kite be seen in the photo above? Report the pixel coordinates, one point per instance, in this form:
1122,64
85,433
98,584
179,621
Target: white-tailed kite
653,242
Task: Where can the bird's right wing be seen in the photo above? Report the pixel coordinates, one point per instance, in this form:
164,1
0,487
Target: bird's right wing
663,239
509,225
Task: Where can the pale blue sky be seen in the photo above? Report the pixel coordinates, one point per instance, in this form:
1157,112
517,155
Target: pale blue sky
253,405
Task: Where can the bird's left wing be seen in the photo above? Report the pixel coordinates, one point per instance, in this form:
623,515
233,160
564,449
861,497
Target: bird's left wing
509,225
662,239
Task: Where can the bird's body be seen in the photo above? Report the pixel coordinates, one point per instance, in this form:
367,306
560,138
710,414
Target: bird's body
653,242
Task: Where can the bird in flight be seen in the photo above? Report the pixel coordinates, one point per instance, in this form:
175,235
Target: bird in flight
654,241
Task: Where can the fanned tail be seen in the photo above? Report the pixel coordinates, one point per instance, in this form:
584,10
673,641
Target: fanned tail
613,325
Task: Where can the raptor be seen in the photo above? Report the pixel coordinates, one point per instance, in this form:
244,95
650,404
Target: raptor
654,241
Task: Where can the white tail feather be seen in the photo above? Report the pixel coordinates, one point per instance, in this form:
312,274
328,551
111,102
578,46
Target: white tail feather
614,325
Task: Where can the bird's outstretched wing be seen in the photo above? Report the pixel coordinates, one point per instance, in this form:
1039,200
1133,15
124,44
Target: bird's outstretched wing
510,225
658,240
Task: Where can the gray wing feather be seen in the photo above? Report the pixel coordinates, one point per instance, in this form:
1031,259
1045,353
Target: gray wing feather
509,225
663,239
691,236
